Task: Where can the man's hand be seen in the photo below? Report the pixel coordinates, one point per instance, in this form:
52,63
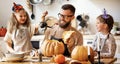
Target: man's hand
43,24
43,16
45,13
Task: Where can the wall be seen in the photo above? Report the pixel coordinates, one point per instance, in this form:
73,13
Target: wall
91,7
6,10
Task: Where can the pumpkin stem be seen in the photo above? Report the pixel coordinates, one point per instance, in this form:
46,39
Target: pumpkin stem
2,27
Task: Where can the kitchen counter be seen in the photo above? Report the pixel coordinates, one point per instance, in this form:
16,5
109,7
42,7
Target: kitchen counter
37,37
93,36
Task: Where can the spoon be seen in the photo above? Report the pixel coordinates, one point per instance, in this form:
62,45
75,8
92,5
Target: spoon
32,15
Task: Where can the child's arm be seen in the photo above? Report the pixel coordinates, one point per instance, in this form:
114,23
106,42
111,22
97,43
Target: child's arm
8,41
9,46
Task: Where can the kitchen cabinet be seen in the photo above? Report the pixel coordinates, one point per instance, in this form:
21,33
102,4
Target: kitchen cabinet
37,40
88,40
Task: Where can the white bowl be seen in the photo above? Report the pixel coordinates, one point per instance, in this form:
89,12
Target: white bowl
14,55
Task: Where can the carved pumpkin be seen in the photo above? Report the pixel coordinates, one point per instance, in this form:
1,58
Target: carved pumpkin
3,31
67,36
80,53
52,47
69,39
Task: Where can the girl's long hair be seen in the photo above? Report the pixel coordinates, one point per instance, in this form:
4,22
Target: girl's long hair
13,22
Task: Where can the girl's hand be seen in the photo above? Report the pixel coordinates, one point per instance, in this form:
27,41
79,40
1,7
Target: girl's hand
34,53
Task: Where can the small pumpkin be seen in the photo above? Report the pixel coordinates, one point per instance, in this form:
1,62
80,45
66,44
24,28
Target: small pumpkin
3,31
52,47
80,53
59,58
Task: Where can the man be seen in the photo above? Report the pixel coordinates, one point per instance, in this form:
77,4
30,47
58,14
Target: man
66,15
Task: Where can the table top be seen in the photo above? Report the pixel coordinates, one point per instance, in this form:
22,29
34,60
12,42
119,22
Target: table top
47,60
107,60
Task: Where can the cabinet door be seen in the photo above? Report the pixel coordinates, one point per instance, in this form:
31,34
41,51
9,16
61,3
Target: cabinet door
88,42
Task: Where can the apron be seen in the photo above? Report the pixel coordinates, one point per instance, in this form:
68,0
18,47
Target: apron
102,43
21,39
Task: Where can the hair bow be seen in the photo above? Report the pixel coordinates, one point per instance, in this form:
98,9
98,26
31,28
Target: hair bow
17,7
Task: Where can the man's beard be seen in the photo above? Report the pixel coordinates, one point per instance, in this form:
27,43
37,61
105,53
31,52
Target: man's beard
65,25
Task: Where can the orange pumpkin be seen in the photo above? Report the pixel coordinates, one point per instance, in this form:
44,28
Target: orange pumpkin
80,53
52,47
59,58
3,31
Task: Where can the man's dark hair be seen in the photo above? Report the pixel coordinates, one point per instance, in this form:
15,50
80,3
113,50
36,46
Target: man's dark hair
69,7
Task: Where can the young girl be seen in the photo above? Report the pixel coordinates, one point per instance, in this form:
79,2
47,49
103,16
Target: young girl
104,38
19,31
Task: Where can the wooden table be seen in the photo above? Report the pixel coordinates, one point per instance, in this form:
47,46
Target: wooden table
107,60
30,60
46,60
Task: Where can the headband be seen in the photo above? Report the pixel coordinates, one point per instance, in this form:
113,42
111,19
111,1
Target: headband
105,16
16,7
